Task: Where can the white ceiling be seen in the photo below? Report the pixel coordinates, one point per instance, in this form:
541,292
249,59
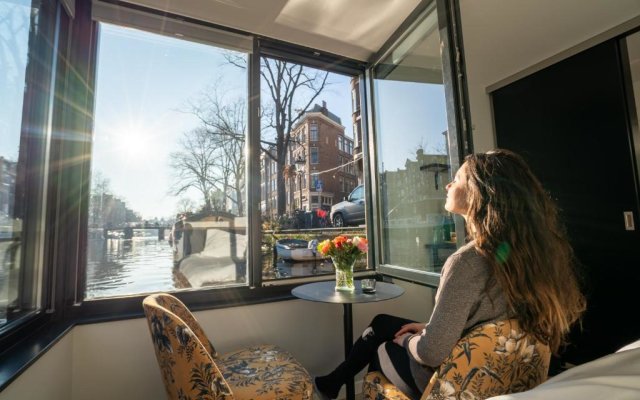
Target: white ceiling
350,28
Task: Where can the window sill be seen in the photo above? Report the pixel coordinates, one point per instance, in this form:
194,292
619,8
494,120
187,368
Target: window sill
430,279
24,353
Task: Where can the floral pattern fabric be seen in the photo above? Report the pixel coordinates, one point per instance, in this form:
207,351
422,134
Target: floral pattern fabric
491,360
190,372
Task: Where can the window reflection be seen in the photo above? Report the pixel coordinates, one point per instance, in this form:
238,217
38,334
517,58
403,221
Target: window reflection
414,160
20,279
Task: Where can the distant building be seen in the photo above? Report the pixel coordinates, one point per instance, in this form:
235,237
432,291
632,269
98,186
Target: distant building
106,210
419,187
7,186
324,172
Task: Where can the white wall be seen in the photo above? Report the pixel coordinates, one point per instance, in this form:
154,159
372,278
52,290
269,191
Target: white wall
115,360
49,378
504,37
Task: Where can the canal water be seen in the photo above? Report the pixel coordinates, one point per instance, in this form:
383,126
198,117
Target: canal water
120,267
144,264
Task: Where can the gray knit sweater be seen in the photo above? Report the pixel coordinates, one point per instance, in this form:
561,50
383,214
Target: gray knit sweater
461,303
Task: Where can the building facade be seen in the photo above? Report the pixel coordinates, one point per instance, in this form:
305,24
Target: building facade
7,187
320,169
356,120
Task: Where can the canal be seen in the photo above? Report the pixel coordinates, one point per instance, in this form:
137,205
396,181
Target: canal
120,267
144,264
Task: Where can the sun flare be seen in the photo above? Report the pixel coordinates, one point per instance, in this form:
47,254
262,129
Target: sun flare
134,141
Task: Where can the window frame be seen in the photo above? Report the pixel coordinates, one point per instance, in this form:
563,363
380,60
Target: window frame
314,155
23,340
458,120
255,291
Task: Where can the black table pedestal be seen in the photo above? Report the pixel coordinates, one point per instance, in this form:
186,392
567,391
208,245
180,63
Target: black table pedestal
348,345
324,292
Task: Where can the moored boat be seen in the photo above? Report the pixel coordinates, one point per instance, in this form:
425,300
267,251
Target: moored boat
298,250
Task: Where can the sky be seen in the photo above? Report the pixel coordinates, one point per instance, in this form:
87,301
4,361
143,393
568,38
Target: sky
418,119
14,32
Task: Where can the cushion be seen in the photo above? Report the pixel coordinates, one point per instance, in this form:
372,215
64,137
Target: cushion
376,386
219,244
265,372
490,360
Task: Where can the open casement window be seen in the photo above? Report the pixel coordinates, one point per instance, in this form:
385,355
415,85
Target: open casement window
416,148
27,68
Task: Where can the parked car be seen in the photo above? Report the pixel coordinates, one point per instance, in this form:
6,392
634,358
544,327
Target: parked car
351,210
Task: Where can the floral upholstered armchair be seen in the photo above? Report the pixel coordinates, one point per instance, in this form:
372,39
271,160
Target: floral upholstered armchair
492,359
192,369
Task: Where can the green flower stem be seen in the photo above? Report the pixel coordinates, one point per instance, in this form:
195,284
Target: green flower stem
344,273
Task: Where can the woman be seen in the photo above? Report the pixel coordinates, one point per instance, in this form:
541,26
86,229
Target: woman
517,264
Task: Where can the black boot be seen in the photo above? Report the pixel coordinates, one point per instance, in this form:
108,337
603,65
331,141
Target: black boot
382,328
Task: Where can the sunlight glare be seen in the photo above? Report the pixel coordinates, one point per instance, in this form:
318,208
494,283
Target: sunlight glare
134,141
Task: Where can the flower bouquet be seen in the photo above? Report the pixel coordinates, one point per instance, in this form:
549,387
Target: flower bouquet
344,253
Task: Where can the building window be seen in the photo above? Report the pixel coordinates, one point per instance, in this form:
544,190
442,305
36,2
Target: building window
313,132
354,100
314,155
315,180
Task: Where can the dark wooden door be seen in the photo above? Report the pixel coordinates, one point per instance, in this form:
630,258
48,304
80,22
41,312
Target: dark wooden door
571,123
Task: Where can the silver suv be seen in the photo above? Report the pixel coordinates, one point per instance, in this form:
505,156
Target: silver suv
350,211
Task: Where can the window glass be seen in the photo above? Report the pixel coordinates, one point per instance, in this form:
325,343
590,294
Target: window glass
314,132
168,192
305,172
21,177
409,99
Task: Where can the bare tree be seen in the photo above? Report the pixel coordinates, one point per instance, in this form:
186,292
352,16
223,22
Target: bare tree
212,159
100,187
185,205
292,89
193,165
226,126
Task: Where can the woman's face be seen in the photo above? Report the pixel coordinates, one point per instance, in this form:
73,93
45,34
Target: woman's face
457,193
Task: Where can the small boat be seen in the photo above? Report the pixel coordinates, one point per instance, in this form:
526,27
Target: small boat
298,250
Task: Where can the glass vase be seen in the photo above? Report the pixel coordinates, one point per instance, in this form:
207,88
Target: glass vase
344,274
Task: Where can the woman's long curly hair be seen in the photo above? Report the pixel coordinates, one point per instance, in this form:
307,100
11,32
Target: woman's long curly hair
515,226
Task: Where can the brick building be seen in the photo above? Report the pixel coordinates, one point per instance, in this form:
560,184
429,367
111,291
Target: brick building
320,166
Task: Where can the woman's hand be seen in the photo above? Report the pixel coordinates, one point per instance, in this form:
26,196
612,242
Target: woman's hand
399,340
411,328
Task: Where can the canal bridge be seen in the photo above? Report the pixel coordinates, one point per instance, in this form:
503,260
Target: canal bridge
127,231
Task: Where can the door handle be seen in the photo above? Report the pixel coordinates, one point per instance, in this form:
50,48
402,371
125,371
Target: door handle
629,225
